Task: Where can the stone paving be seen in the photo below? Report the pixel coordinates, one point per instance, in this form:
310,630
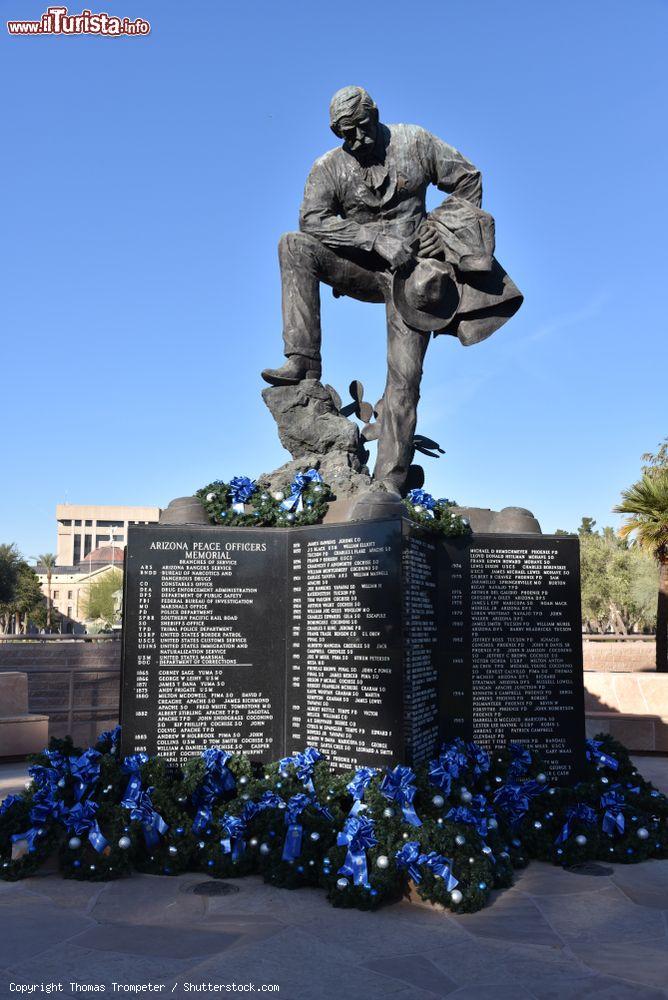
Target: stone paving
554,935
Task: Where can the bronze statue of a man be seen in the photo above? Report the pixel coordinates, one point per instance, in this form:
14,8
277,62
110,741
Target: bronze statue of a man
365,230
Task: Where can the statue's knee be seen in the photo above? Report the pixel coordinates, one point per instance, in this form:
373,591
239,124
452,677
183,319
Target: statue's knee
296,246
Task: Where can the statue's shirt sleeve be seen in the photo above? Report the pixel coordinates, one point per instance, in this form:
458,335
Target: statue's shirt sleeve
321,216
449,170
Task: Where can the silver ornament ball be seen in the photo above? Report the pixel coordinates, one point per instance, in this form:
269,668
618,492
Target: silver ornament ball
456,896
382,861
124,843
438,801
264,848
460,839
388,812
342,883
74,843
315,835
581,840
642,833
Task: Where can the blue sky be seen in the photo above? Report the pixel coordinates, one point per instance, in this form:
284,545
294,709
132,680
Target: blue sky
146,182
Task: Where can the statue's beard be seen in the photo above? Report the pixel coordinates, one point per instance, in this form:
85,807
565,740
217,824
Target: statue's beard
366,152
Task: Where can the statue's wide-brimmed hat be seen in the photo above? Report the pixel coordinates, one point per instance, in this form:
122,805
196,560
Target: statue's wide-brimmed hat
427,294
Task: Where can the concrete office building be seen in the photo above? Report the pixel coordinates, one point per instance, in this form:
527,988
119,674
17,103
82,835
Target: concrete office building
85,527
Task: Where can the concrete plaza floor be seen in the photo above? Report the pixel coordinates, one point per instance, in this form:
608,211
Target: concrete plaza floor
555,935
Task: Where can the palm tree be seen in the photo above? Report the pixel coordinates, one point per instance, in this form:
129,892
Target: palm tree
48,561
646,503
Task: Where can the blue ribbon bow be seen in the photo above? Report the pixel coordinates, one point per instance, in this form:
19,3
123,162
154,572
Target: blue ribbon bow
440,867
581,812
613,818
112,736
141,809
30,836
85,769
270,800
203,818
358,835
233,842
304,764
594,753
358,785
479,758
7,803
133,763
440,774
520,762
298,487
473,815
453,760
218,782
295,806
420,498
81,819
398,786
241,490
514,800
408,858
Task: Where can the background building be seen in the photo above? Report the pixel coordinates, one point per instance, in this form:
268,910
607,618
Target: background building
85,527
70,585
91,539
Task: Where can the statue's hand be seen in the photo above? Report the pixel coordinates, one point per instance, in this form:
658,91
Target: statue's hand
429,242
393,250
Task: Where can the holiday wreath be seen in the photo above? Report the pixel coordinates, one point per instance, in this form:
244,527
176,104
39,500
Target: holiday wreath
455,827
242,502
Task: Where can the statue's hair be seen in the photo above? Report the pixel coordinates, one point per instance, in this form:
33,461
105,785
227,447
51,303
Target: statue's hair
347,103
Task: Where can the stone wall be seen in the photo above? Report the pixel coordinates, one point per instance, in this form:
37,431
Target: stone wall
75,682
628,654
632,707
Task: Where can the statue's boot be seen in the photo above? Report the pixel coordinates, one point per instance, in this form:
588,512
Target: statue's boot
295,369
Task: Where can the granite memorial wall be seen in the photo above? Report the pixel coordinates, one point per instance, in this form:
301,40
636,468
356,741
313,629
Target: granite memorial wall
371,641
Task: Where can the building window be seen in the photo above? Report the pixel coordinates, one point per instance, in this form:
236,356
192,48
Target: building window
65,524
55,595
76,556
109,524
100,540
89,524
77,524
119,538
88,544
69,595
69,611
